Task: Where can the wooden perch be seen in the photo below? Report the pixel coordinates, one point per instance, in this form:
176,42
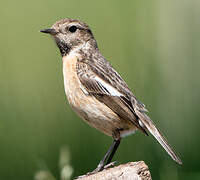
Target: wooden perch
130,171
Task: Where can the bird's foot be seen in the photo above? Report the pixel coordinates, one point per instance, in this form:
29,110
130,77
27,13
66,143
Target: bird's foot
112,164
99,168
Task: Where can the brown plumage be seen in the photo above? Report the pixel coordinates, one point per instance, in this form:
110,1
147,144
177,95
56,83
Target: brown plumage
96,91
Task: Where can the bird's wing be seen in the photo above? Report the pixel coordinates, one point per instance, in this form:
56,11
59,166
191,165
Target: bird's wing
103,87
103,82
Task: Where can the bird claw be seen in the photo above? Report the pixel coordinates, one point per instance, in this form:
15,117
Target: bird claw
112,164
98,169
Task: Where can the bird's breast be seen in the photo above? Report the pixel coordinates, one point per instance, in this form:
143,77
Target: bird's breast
86,106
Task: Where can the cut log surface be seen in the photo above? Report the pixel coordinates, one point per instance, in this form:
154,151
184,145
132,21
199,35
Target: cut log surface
130,171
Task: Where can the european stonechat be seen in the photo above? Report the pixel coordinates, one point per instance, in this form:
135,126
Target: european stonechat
96,92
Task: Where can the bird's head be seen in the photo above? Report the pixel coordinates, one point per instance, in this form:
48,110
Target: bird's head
70,34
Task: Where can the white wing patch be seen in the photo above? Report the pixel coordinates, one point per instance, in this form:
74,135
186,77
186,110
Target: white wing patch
112,91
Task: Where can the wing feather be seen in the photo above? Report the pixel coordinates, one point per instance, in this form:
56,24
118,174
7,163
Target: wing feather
107,94
104,83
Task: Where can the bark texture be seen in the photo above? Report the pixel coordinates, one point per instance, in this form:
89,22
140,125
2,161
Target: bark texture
130,171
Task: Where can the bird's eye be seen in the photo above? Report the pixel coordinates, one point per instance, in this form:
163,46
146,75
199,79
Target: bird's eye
73,29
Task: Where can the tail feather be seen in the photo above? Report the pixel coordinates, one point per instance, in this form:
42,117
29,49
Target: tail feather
148,123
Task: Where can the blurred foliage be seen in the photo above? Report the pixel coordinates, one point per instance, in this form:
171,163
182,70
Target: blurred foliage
66,169
154,45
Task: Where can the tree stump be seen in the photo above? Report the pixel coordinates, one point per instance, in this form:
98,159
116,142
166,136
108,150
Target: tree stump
130,171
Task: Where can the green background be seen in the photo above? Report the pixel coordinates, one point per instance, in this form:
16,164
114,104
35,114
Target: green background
154,45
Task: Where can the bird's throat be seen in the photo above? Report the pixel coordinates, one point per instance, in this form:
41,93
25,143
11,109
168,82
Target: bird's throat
63,47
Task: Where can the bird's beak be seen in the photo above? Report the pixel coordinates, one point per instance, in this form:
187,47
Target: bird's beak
49,31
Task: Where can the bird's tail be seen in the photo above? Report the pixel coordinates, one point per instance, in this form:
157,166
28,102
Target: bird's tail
148,123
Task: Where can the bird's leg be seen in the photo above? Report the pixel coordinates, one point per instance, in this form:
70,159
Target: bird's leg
116,145
108,156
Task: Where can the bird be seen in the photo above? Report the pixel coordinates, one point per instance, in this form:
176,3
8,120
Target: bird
96,92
